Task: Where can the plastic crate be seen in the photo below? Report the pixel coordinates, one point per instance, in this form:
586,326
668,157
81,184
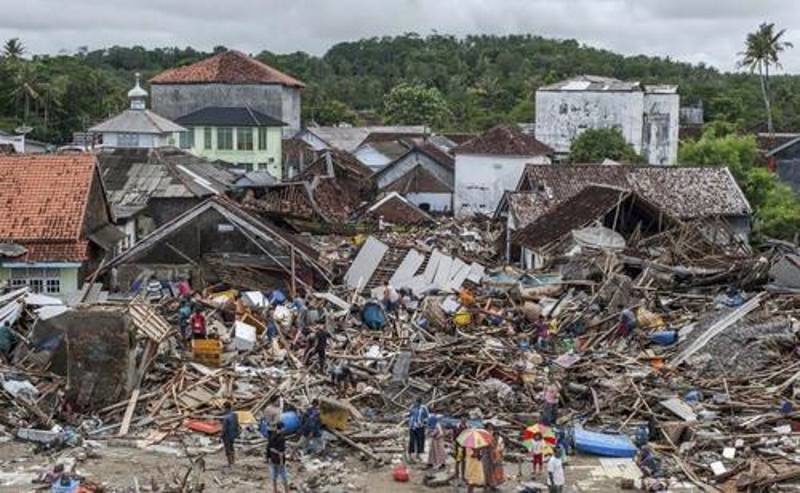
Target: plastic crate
207,351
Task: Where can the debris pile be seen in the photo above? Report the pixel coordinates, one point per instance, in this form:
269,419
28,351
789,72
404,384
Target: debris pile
669,353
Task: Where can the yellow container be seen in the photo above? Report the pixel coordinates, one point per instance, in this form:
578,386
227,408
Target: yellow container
462,319
333,416
207,351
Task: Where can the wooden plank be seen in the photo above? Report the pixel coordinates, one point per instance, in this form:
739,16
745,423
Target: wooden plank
407,268
126,420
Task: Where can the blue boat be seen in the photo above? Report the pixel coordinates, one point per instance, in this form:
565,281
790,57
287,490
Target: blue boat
604,444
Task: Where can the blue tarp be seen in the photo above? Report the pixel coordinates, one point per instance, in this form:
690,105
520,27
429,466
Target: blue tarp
373,316
604,444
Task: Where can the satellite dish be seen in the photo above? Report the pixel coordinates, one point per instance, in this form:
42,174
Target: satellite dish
23,129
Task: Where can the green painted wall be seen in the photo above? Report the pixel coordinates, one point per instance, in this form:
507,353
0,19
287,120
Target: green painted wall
269,159
68,277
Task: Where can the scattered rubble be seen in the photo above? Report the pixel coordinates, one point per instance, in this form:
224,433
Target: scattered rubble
675,355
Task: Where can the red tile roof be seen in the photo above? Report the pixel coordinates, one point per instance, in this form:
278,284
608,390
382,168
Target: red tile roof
43,199
228,67
507,140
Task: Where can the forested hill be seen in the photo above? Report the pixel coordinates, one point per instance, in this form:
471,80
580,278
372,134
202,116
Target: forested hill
483,80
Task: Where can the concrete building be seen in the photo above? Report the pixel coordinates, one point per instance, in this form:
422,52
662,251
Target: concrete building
137,127
243,137
228,79
490,164
647,116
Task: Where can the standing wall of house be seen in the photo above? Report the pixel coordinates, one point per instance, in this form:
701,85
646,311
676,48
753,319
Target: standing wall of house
561,116
268,159
67,276
409,162
481,180
660,128
434,202
175,100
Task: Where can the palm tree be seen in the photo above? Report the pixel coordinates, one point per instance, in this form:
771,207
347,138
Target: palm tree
762,49
13,49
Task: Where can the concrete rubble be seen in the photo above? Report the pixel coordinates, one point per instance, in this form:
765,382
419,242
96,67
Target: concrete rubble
707,380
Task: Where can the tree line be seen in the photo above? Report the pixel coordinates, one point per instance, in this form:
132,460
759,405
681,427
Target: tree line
464,84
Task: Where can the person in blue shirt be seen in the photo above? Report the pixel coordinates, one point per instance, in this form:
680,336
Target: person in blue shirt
417,421
230,432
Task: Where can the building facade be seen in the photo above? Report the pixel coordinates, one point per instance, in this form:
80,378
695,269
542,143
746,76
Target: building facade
228,79
647,116
243,137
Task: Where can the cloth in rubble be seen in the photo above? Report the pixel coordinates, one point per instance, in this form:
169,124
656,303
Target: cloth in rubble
373,316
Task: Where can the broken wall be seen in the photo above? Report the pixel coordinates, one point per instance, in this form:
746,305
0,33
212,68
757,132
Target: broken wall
660,128
94,350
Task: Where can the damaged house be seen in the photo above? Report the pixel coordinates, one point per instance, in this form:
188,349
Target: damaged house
424,175
647,115
217,241
689,194
56,224
598,217
490,164
148,187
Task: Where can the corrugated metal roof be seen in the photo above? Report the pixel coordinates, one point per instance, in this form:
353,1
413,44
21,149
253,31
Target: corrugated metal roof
137,121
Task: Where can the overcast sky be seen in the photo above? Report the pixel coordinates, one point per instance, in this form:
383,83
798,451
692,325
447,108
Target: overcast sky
710,31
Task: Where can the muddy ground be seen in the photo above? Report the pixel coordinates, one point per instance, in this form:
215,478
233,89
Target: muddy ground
120,466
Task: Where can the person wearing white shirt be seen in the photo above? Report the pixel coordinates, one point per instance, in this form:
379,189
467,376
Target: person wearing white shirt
555,473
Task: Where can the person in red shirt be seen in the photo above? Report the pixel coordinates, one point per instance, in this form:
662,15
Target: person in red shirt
198,324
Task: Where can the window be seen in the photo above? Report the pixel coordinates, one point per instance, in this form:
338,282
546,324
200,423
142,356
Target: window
207,144
244,139
225,138
262,139
128,140
39,280
187,139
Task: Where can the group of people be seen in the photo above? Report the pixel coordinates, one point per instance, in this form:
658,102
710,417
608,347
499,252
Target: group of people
479,466
275,450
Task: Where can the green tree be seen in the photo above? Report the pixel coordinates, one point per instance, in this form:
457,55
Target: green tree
597,145
333,112
13,49
412,104
777,208
762,49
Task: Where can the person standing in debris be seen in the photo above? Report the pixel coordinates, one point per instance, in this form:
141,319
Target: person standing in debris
493,459
542,332
555,473
299,305
276,451
321,346
312,428
627,322
537,454
230,432
459,452
436,454
550,396
417,420
198,323
474,470
184,314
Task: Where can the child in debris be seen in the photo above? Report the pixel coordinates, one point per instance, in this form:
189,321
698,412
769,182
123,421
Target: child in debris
198,323
184,314
230,432
537,453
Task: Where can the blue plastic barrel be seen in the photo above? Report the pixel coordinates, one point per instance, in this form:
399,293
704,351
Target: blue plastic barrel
291,422
664,337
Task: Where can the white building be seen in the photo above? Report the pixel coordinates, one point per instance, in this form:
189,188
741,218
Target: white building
647,116
138,127
489,165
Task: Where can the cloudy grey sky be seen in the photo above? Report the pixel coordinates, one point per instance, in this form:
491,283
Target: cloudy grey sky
710,31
